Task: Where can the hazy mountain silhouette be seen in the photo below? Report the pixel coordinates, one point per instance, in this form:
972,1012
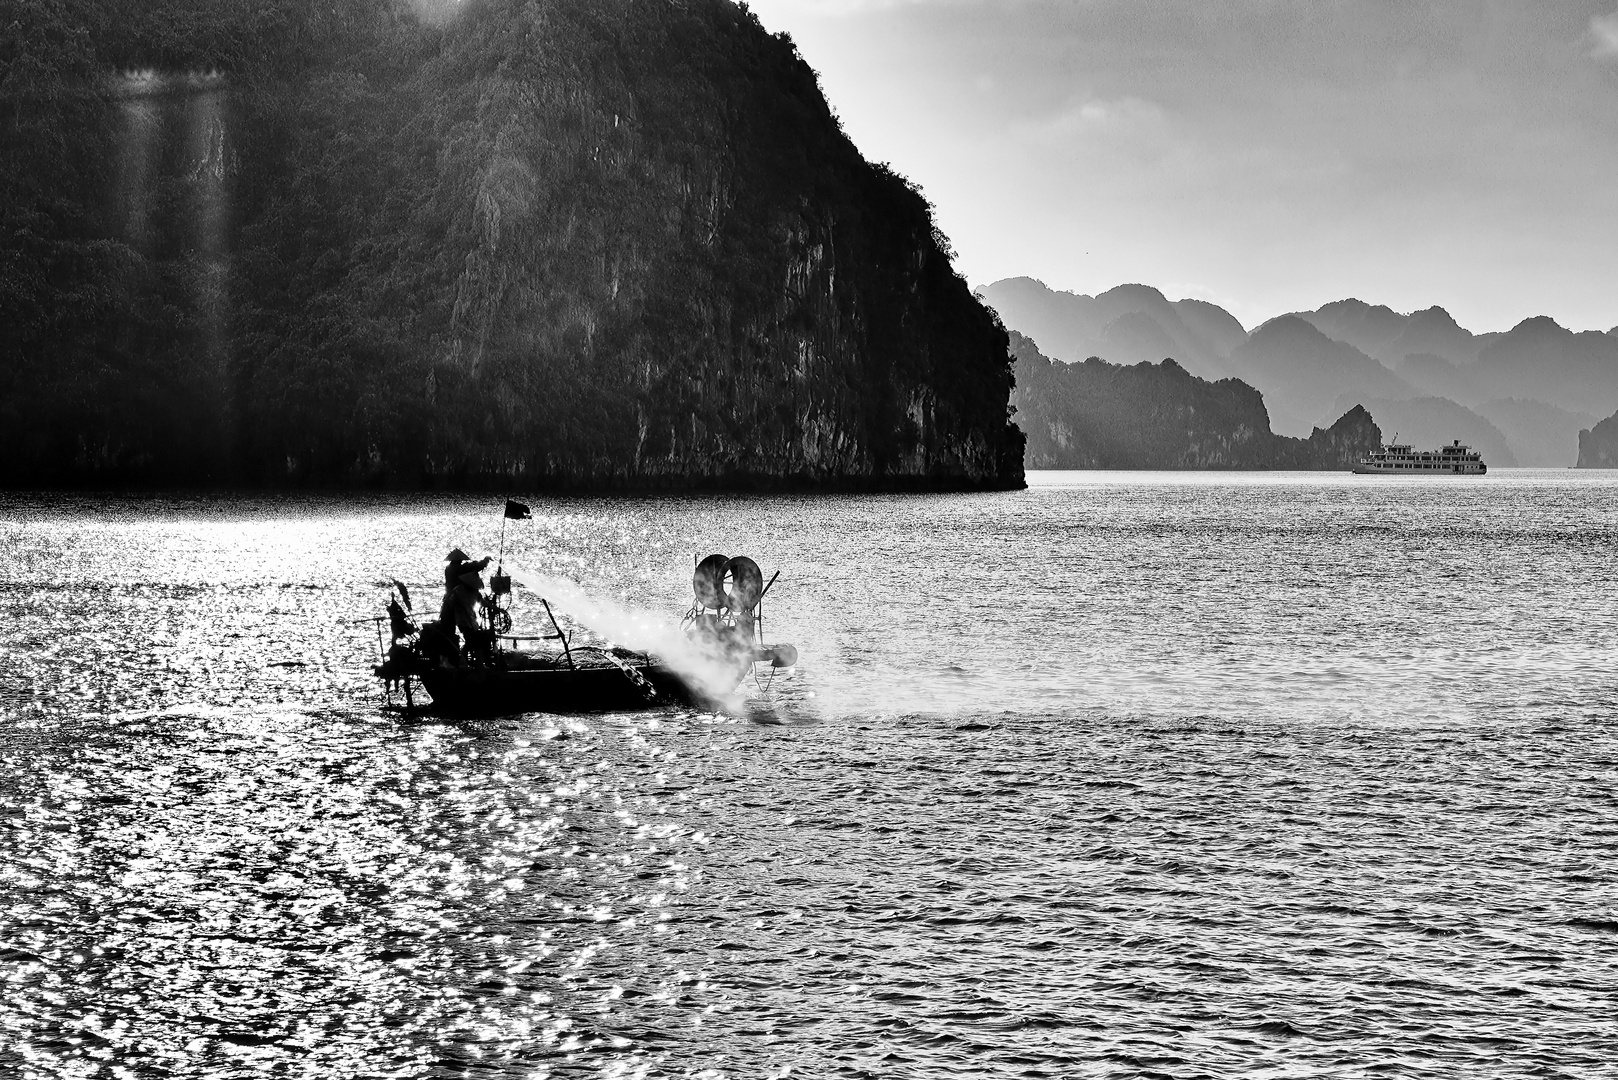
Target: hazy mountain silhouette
1535,360
1426,422
1522,395
1544,361
1432,331
1441,377
1128,324
1540,435
1133,337
1367,327
1098,415
1380,332
1213,324
1598,447
1304,374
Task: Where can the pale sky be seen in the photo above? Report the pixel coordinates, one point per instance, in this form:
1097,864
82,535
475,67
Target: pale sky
1268,155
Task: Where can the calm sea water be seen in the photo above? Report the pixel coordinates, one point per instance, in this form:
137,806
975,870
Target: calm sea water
1124,775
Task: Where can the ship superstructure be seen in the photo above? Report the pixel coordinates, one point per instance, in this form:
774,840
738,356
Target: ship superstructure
1401,459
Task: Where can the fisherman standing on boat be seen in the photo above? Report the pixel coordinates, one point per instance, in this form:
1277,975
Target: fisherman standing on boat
455,565
466,599
462,591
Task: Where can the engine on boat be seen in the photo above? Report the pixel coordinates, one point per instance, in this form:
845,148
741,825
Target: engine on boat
727,614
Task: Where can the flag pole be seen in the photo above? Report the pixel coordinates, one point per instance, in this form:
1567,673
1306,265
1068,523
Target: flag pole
511,511
501,561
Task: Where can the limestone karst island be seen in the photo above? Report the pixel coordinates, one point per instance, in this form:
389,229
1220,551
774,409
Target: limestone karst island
614,245
557,245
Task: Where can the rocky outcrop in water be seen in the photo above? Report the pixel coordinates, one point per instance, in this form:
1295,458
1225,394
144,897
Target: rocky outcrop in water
1428,422
1098,415
538,243
1598,447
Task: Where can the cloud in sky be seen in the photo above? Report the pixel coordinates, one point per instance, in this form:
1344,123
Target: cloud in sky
1085,122
1604,28
1449,151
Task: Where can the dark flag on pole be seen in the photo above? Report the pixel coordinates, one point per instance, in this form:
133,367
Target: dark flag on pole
516,511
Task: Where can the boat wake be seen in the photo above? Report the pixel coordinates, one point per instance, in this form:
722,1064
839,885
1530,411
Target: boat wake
710,671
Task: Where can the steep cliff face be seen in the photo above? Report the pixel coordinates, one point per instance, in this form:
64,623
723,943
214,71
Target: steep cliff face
606,244
1096,415
1598,447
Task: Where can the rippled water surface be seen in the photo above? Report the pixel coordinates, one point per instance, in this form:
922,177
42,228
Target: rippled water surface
1124,775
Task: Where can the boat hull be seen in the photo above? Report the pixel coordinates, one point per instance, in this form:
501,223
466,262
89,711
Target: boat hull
494,692
1476,468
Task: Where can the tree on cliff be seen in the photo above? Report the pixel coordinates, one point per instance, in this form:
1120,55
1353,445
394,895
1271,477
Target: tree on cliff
560,243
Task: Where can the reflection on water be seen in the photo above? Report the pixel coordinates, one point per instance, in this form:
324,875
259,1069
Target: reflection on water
1123,775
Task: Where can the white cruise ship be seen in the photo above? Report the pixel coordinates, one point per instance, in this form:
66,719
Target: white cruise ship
1401,460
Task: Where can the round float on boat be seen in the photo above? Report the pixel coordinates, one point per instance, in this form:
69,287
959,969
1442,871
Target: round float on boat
709,581
745,584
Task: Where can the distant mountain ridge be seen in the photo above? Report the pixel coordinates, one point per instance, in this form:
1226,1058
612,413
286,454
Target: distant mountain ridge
1304,374
1526,393
1538,359
1381,332
1099,415
1128,324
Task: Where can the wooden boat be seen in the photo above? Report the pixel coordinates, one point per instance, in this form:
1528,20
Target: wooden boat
495,692
494,676
520,682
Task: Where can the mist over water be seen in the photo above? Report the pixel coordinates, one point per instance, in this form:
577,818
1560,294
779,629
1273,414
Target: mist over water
1128,774
639,629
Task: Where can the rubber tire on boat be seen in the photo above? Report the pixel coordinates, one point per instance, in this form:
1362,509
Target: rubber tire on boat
709,581
746,583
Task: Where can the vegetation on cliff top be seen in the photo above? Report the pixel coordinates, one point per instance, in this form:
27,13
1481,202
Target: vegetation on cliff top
543,242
